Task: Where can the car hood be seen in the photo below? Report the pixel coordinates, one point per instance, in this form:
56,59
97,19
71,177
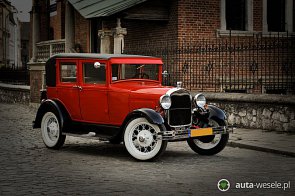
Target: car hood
145,89
147,97
140,94
149,92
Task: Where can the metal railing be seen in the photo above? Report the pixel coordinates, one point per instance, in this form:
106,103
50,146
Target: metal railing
46,49
14,76
253,64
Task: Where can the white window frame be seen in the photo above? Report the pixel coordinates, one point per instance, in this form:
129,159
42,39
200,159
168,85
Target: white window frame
288,18
249,20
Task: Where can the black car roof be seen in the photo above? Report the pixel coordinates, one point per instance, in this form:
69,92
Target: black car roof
50,64
96,56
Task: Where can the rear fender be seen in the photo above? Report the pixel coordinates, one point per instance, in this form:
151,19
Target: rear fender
53,106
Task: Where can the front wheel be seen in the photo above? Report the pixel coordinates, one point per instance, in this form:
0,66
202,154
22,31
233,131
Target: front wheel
51,131
209,145
140,139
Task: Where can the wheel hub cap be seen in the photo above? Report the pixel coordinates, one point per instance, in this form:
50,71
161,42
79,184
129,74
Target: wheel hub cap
52,128
145,138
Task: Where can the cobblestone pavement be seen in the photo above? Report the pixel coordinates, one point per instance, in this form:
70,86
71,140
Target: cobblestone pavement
89,167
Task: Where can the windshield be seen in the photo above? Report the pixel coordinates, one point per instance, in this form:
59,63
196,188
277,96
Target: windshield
135,71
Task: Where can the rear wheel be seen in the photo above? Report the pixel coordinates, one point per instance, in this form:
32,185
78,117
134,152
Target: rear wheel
51,131
209,145
140,139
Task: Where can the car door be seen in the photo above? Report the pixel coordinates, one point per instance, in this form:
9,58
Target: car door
68,86
93,93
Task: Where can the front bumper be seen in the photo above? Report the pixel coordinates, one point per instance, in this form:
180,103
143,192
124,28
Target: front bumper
182,134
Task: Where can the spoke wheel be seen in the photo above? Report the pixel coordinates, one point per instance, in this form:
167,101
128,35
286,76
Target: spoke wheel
51,132
140,139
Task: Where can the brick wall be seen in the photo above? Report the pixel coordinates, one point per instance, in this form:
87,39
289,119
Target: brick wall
82,32
257,15
57,22
158,33
36,86
198,19
44,21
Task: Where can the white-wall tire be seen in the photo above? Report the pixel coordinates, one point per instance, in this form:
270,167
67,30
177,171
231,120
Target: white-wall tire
209,145
51,131
140,140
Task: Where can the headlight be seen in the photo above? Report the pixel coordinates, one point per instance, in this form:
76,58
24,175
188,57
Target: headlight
165,102
200,100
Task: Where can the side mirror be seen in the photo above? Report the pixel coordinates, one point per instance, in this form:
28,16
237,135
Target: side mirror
165,74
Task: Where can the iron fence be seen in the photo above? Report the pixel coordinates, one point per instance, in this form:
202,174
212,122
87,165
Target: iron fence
15,76
254,64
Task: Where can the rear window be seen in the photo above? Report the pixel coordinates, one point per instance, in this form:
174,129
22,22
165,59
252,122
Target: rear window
68,72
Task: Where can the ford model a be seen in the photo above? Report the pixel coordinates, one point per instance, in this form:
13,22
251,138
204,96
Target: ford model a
120,98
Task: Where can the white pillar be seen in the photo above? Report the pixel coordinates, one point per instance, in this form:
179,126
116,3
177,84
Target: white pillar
69,28
289,16
105,41
249,11
16,45
264,18
222,15
119,33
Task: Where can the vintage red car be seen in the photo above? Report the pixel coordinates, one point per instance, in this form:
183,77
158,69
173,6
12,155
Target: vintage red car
121,98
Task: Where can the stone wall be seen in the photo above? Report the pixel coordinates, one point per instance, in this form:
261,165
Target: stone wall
14,93
270,112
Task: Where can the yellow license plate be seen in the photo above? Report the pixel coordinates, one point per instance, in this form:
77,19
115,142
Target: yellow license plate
201,132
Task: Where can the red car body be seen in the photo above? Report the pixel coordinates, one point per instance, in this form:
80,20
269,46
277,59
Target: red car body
121,98
111,102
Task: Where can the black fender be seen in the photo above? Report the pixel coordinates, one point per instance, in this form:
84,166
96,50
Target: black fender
216,112
54,106
151,115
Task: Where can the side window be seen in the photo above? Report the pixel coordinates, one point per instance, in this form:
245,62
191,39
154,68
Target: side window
68,72
94,73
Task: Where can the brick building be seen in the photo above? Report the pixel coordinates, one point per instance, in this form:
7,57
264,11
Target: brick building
131,26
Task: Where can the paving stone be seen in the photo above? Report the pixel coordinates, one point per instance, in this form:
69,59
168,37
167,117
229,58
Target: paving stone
90,167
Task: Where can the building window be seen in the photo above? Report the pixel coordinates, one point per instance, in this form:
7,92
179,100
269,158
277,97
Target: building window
235,15
276,15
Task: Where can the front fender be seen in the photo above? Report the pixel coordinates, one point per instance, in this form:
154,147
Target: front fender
151,115
216,112
46,106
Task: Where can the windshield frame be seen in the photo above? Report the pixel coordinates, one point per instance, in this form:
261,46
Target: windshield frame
140,65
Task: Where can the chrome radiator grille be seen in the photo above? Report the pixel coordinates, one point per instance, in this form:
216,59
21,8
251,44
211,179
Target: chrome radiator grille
180,110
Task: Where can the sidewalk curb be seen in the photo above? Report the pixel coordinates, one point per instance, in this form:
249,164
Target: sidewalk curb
262,149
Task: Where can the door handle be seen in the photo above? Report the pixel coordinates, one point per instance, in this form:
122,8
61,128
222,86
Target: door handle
78,87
